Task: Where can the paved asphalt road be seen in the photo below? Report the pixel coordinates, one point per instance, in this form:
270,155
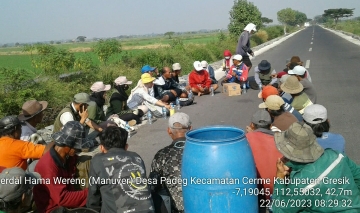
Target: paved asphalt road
334,69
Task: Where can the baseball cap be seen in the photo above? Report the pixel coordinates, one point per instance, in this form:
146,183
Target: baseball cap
197,65
267,91
298,70
121,80
82,98
176,66
99,86
261,117
273,102
204,64
146,78
147,68
17,181
298,143
237,57
181,118
315,114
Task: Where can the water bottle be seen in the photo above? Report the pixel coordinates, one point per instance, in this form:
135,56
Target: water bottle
172,109
164,112
127,128
260,86
212,91
244,88
178,104
149,117
190,94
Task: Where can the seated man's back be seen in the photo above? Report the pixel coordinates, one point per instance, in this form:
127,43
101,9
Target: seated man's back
118,177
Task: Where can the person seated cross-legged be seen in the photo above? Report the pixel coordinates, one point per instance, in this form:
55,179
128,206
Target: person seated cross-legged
199,80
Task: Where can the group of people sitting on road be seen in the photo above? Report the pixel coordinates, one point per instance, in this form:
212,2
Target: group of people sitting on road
87,162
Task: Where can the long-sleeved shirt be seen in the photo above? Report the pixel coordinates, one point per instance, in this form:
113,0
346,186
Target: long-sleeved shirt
163,85
140,94
242,72
49,195
199,79
243,46
332,183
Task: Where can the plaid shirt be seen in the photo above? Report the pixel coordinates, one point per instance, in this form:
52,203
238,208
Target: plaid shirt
167,164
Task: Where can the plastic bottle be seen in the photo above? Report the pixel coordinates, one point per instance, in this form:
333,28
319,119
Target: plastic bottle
127,128
244,88
190,94
212,91
164,112
172,109
149,117
178,104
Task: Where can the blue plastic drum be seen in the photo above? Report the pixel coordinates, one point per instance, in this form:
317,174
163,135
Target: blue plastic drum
217,167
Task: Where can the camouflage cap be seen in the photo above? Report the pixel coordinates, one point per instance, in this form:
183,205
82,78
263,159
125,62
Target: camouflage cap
298,143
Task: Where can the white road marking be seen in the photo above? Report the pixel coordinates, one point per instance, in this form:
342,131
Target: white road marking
311,43
310,49
312,38
307,64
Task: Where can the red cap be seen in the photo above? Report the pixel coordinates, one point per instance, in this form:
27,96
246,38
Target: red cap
267,91
227,53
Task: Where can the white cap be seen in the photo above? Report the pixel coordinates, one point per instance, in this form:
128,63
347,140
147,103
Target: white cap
197,65
297,70
237,57
176,66
204,64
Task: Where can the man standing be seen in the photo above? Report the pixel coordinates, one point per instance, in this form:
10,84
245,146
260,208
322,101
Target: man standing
15,152
199,80
317,176
32,115
166,89
167,161
60,164
243,46
115,163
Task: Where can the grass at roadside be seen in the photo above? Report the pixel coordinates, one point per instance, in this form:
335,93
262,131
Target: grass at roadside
351,26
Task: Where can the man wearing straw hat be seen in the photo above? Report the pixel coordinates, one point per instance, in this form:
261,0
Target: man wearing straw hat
321,180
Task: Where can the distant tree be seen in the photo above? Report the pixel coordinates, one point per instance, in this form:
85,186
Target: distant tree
17,44
308,20
300,18
241,14
81,38
5,45
169,34
221,36
265,20
58,42
286,17
106,48
51,42
321,19
336,14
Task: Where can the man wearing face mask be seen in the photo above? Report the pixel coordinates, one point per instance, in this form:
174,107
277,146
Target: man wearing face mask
118,103
58,166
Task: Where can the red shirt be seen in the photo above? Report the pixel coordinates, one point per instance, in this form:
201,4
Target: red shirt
265,155
199,79
52,195
244,75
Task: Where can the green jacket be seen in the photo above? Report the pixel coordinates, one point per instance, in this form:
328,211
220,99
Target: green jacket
96,114
323,196
117,105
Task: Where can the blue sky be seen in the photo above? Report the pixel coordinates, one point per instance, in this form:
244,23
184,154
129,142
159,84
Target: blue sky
45,20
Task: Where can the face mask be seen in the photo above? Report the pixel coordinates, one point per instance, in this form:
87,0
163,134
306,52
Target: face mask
227,57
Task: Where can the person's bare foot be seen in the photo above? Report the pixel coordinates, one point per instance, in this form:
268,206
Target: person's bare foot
200,94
